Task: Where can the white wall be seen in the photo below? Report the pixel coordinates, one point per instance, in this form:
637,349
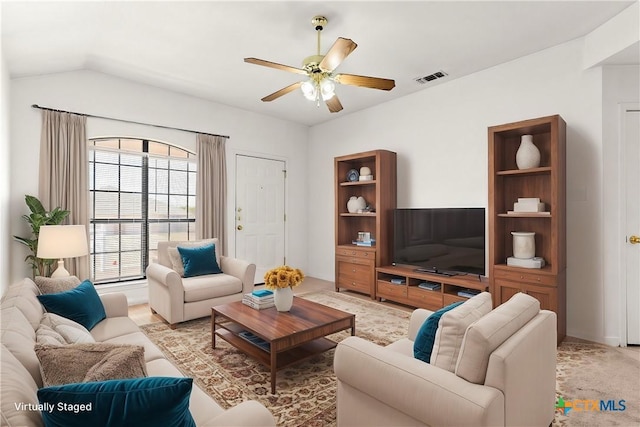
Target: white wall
5,236
94,93
621,85
440,135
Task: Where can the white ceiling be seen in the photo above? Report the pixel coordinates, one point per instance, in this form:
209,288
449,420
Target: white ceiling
197,48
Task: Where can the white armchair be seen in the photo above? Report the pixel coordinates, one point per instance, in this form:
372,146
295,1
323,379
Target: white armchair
178,299
504,376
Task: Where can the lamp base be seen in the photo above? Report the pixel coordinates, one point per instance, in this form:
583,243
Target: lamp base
60,271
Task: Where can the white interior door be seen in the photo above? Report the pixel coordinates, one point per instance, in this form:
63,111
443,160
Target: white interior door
259,212
631,140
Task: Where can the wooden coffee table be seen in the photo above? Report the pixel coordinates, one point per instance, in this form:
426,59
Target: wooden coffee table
288,337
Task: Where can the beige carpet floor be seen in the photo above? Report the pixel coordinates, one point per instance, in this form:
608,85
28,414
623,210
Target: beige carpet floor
305,392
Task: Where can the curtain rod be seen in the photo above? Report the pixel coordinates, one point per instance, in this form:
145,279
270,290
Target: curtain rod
127,121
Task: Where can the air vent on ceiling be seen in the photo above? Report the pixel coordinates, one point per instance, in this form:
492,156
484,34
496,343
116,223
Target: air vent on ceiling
426,79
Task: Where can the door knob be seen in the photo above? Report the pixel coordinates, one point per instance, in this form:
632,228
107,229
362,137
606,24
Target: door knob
239,227
634,240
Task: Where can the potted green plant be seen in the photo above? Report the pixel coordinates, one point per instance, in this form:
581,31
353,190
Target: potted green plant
37,218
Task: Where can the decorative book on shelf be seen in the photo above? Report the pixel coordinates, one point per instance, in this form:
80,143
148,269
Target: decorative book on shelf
255,340
431,286
367,243
468,293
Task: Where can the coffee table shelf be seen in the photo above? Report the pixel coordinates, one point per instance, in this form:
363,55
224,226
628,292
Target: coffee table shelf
292,336
285,358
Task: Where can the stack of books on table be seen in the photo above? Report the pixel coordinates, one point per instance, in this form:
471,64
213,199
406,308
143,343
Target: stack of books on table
259,299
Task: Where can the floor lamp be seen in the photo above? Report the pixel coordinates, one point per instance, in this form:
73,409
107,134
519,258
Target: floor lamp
62,241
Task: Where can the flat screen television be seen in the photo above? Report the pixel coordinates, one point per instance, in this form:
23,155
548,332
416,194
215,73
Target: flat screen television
448,241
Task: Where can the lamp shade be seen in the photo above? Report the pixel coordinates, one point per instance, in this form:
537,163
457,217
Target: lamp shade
62,241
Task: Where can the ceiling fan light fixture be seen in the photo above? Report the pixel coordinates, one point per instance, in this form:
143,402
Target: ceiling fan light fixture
327,89
309,90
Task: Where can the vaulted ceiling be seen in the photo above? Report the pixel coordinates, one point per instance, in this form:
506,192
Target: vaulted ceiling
197,48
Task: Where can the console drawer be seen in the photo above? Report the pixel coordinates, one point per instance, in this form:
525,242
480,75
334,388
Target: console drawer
431,300
526,277
387,290
356,274
356,253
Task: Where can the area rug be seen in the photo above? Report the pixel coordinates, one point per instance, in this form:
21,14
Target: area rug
305,392
596,385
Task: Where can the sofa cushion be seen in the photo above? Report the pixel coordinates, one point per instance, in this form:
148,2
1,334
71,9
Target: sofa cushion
173,255
423,344
199,261
18,337
53,285
200,288
77,363
71,332
113,327
81,304
153,401
23,296
489,332
452,328
151,351
19,388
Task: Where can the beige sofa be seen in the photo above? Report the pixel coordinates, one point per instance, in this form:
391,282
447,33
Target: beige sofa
20,378
178,299
501,377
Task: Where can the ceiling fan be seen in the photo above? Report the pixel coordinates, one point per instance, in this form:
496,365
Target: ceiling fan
319,70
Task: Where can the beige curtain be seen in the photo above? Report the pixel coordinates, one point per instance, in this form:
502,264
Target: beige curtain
63,173
211,188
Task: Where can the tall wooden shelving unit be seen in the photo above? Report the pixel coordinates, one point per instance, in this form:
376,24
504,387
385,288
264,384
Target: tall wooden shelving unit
548,182
355,265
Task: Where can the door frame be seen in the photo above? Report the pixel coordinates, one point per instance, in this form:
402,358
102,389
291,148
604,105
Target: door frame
231,189
622,212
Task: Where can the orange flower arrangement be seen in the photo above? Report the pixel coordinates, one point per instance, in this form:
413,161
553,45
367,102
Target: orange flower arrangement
283,277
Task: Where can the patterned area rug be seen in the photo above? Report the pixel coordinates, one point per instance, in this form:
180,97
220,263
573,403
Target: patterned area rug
588,374
305,392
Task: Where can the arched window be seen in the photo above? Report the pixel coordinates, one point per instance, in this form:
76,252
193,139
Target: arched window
140,192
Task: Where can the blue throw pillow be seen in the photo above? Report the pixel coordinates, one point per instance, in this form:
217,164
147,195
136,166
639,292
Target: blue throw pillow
423,345
81,304
152,401
199,260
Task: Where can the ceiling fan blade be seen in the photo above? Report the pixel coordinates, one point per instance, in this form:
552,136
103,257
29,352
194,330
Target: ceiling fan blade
283,91
334,104
275,65
338,52
365,81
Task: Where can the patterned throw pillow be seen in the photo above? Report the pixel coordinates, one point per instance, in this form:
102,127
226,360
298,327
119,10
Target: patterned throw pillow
53,285
54,328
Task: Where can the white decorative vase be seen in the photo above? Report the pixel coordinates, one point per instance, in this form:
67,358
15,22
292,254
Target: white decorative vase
528,155
356,203
283,298
524,244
